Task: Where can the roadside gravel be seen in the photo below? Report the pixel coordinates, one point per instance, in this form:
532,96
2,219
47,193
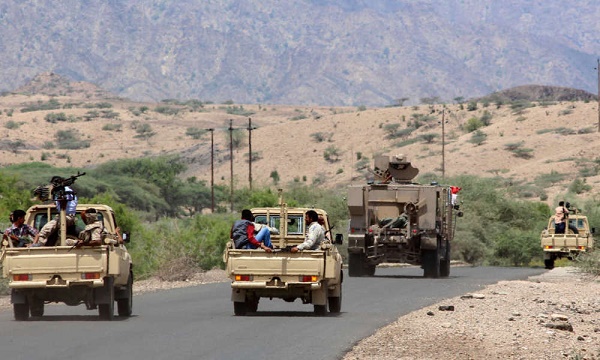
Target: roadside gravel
552,316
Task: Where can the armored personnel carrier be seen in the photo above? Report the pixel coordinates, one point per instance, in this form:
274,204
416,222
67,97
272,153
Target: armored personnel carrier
394,220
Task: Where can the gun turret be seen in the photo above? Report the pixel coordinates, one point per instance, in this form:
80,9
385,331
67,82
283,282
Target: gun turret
394,169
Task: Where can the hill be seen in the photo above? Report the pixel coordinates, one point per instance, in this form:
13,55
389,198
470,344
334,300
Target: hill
538,148
305,52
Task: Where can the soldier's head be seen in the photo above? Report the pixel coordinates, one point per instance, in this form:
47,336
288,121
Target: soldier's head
247,215
57,180
311,216
17,215
89,216
561,203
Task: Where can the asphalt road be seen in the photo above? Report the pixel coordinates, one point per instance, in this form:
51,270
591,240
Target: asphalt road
198,322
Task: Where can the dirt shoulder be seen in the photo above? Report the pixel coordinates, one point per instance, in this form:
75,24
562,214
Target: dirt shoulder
552,316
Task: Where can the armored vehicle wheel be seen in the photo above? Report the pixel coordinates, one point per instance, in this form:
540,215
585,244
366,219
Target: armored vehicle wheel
320,310
106,311
240,308
335,302
36,307
549,264
125,303
369,270
431,263
356,265
21,311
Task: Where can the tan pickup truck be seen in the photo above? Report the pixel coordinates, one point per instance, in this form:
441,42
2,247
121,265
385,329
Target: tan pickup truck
569,244
97,276
314,276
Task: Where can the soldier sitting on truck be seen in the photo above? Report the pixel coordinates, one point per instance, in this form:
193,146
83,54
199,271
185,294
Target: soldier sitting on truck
19,233
561,216
94,232
242,233
52,226
315,234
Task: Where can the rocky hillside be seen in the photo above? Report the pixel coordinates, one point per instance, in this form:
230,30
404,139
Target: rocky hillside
540,148
306,52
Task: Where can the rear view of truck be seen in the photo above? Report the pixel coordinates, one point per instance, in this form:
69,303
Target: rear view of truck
395,220
577,238
313,276
97,276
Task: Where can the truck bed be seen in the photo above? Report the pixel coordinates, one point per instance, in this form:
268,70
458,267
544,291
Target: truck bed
58,266
566,242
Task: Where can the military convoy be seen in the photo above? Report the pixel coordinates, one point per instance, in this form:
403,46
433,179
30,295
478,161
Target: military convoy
97,276
570,244
314,276
395,220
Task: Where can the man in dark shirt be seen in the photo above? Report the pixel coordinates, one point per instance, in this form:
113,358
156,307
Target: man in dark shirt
242,233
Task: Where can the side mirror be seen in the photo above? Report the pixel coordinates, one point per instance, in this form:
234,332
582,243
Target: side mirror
459,214
339,239
125,237
593,230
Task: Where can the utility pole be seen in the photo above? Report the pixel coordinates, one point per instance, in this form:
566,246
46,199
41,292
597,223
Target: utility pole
231,160
598,68
443,147
212,170
250,128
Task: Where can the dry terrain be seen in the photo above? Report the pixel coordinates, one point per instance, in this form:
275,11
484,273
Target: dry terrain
551,316
292,140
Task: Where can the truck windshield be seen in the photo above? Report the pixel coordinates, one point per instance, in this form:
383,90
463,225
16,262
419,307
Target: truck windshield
295,224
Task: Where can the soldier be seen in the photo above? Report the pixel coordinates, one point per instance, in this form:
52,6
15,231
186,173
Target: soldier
242,233
19,233
71,206
93,233
315,234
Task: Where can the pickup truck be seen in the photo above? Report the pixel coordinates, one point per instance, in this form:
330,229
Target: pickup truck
97,276
314,276
569,244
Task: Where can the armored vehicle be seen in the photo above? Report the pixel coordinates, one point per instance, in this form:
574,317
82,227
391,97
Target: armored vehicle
395,220
97,276
569,245
314,276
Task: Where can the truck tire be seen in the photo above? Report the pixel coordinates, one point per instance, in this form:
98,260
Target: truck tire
445,262
36,307
356,264
431,263
125,304
335,303
240,308
549,264
107,311
21,311
320,310
252,304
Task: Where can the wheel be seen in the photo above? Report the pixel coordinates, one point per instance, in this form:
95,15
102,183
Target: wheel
36,307
445,262
240,308
252,304
431,263
356,265
107,311
549,264
21,311
320,310
369,270
125,304
335,303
